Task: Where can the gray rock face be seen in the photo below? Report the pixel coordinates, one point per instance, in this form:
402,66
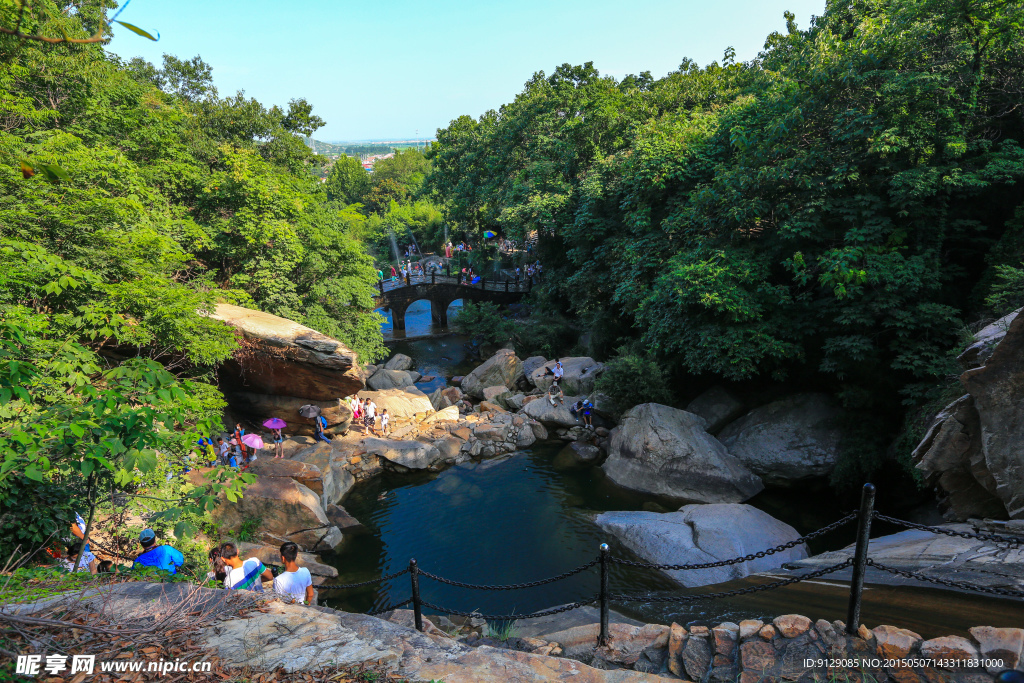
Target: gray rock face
531,364
501,369
951,459
345,522
787,441
581,374
557,415
337,481
390,379
985,341
665,451
718,408
399,361
412,454
698,534
998,391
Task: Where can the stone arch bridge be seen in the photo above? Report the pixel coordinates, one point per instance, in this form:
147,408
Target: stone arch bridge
441,291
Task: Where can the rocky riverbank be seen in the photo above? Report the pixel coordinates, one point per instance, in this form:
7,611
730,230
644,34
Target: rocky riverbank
258,634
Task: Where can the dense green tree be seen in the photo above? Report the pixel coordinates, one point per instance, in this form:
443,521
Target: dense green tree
825,213
348,182
407,168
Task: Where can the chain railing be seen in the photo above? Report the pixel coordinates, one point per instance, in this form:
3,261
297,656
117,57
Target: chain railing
859,563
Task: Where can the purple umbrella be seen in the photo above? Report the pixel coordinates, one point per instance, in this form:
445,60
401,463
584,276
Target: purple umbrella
275,423
252,440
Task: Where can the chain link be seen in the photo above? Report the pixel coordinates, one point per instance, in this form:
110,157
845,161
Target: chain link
729,594
512,617
389,609
511,586
746,558
946,582
1015,542
364,583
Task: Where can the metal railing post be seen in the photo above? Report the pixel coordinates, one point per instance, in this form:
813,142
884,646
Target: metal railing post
860,557
408,277
433,277
506,286
381,285
414,579
602,638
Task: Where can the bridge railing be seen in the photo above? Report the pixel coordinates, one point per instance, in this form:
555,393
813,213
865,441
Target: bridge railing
493,285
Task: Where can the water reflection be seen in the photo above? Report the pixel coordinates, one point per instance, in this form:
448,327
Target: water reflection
418,321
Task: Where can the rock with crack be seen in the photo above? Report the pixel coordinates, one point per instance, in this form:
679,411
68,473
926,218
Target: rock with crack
666,451
787,441
414,455
699,534
281,357
285,509
501,369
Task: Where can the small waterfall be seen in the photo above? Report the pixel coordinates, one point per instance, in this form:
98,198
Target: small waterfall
394,245
414,242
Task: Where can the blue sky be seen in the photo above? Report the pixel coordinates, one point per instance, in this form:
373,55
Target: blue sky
387,68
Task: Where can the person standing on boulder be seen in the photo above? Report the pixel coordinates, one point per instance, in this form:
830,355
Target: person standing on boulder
384,422
370,419
320,424
278,437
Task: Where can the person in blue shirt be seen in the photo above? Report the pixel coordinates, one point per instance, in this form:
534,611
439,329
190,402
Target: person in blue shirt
160,556
320,426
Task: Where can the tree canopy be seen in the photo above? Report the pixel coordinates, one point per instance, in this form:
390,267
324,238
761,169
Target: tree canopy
831,212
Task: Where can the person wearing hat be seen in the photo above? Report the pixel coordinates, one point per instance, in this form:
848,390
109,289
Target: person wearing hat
159,556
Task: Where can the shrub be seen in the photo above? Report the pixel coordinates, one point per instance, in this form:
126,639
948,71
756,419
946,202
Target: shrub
630,379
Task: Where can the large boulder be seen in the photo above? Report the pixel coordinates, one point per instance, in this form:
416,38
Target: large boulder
501,369
580,375
787,441
951,459
401,403
666,451
557,415
279,356
985,341
305,473
699,534
331,460
717,406
390,379
285,509
531,364
264,406
399,361
412,454
998,391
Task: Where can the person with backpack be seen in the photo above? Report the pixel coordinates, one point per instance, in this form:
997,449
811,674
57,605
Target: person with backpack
320,424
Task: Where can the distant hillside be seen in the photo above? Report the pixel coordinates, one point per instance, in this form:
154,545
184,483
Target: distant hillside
360,149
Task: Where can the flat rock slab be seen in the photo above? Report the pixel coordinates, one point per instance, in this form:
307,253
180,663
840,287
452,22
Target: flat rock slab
938,556
297,638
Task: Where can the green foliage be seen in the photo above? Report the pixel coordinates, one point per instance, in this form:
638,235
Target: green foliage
407,169
1007,294
821,213
248,532
630,379
484,322
348,182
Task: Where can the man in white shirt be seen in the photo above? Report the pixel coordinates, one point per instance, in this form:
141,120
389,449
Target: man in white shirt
558,371
295,581
371,416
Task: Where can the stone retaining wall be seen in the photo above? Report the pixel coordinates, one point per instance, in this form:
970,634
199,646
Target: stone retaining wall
793,648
